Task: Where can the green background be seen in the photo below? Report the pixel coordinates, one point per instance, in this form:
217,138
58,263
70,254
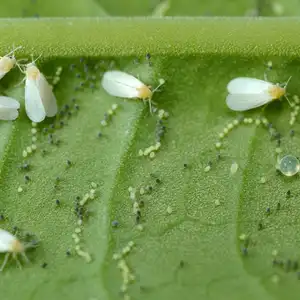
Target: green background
197,57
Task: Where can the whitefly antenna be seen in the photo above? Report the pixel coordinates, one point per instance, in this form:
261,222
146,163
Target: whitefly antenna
161,82
288,82
286,97
21,67
14,50
34,60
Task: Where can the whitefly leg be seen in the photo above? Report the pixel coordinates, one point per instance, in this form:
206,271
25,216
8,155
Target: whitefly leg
5,261
18,84
150,106
25,257
15,256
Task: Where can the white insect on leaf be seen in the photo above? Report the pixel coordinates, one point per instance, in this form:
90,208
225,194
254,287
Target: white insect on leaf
124,85
39,98
247,93
234,167
8,108
7,62
9,244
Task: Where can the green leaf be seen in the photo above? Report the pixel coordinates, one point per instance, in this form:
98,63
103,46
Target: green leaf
195,251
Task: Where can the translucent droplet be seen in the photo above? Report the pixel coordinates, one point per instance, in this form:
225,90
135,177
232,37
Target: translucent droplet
289,165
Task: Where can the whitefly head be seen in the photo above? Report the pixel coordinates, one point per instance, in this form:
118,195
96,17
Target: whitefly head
17,246
279,90
32,72
9,243
144,92
276,91
8,61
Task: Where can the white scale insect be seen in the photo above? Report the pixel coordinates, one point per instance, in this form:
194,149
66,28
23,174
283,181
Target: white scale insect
9,244
247,93
121,84
39,98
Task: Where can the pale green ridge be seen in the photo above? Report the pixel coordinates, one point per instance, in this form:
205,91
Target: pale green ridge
137,36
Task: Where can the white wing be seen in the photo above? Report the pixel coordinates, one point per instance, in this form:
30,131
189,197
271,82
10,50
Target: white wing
5,65
9,102
245,85
47,96
33,103
6,240
2,74
241,102
8,108
121,84
8,114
